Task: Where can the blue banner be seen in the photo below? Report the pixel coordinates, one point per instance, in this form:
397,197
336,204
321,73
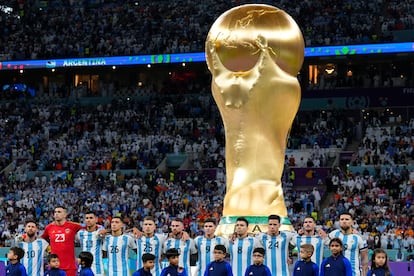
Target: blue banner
323,51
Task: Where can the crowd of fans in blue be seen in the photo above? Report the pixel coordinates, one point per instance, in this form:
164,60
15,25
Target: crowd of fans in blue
88,143
137,135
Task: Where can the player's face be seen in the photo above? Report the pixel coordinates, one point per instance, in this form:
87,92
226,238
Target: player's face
273,226
177,227
60,214
345,222
90,220
148,227
309,225
116,224
380,259
30,229
335,248
241,227
54,263
209,228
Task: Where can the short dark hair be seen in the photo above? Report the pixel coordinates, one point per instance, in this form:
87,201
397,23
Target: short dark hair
147,257
347,214
52,256
259,250
18,252
30,221
309,217
172,252
242,219
220,247
86,258
118,217
276,217
149,218
212,220
178,219
90,212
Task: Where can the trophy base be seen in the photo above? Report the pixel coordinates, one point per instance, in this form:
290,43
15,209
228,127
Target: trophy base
257,224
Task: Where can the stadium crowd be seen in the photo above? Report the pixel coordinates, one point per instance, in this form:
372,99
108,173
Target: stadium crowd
39,30
138,135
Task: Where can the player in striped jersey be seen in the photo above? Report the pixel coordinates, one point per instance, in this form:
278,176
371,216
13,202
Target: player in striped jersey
150,242
34,249
205,245
309,235
117,247
276,243
354,246
241,247
184,247
91,241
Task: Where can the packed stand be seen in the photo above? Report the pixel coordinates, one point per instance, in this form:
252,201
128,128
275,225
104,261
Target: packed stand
380,199
114,28
59,137
121,135
387,145
382,208
106,137
315,133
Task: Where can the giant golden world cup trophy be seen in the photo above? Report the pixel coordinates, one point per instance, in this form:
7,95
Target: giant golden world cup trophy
254,53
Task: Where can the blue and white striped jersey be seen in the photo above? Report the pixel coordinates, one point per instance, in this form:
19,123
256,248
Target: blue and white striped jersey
117,248
153,245
186,248
241,254
205,249
34,255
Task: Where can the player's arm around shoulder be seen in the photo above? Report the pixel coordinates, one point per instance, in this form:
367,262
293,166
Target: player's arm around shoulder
193,248
257,242
290,235
322,234
44,242
75,226
329,236
131,242
45,234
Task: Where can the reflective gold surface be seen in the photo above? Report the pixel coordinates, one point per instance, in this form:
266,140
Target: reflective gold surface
254,53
